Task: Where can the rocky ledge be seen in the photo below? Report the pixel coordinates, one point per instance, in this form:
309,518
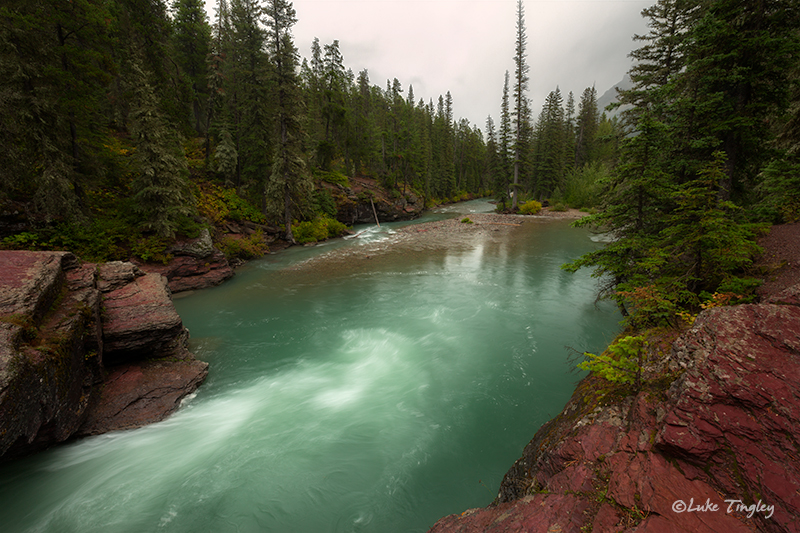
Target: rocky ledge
365,200
85,349
196,264
715,448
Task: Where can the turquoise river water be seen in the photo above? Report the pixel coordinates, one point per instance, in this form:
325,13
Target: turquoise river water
371,399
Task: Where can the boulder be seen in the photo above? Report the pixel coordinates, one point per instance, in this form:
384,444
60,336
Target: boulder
116,274
199,248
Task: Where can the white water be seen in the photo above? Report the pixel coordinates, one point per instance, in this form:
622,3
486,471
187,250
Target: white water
371,400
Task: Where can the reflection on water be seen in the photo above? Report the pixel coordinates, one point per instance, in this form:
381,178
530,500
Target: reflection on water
375,399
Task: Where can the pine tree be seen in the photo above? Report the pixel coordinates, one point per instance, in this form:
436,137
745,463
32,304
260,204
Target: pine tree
247,109
505,147
663,54
191,39
705,245
225,156
588,120
335,111
492,161
161,193
550,146
569,133
289,183
366,139
521,107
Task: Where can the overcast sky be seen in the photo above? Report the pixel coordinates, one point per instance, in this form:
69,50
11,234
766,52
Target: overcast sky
465,46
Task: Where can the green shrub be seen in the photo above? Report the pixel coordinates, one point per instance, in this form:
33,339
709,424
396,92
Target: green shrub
237,247
466,220
336,178
559,207
620,363
779,192
319,229
324,204
218,204
531,207
460,196
101,240
152,249
583,186
21,241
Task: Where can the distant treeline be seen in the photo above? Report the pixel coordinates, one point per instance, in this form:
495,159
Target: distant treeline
135,95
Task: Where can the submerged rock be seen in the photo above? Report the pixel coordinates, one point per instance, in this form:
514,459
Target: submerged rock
718,451
56,347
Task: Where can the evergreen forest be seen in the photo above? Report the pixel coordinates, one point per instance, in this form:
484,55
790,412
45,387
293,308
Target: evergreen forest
128,123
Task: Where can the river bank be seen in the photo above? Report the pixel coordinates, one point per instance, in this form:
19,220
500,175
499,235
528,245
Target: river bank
382,398
451,233
710,448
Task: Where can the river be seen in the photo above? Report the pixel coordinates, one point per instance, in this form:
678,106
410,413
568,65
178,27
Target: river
376,397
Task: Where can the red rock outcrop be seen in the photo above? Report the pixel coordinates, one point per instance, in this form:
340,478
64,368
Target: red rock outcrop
140,321
187,273
717,450
50,344
56,347
196,265
137,394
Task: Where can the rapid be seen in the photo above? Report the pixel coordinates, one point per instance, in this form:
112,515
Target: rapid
374,397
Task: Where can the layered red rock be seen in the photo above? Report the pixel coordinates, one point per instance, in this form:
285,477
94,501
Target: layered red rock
140,320
141,393
717,451
50,346
196,265
187,273
56,345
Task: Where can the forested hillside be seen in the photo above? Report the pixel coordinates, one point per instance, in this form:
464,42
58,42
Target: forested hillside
710,152
128,122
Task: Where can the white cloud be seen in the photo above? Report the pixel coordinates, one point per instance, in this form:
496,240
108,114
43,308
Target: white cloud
465,46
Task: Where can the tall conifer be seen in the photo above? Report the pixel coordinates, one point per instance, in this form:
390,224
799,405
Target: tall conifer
161,193
289,183
521,107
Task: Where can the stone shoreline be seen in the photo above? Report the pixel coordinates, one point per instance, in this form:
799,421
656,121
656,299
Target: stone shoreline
440,234
86,349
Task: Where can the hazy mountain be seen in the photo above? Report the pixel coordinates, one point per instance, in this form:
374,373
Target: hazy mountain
610,96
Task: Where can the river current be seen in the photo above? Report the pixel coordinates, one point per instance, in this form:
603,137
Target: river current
377,398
